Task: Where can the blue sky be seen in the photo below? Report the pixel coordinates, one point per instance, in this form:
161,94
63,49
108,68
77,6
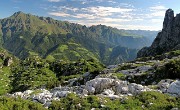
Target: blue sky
122,14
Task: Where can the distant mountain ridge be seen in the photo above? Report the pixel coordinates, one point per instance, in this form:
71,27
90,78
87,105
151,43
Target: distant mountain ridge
167,40
25,34
145,33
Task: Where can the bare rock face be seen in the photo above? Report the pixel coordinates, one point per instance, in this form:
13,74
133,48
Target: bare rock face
167,40
8,61
2,56
168,20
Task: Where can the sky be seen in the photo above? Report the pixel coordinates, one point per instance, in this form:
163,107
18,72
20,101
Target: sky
121,14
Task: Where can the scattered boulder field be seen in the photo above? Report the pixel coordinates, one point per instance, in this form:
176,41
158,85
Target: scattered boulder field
115,82
102,87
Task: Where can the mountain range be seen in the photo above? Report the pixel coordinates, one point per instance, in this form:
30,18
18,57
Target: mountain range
24,35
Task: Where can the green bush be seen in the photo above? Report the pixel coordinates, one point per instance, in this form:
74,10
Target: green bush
62,68
120,76
71,102
172,69
157,101
7,103
5,86
144,101
34,78
32,73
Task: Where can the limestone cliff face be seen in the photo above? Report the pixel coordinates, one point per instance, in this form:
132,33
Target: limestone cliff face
168,39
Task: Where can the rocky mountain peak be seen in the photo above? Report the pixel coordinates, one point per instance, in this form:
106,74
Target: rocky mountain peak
167,40
168,20
18,13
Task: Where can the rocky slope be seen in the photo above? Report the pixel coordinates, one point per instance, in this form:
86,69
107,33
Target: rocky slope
116,82
168,39
102,87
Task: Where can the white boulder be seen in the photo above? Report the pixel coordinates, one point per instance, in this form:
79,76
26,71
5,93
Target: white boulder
137,88
174,88
18,94
84,92
62,93
28,92
108,92
164,85
121,87
97,85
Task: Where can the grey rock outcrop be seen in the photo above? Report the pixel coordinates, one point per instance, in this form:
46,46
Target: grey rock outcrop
163,85
104,87
169,86
167,40
2,56
8,61
98,85
174,88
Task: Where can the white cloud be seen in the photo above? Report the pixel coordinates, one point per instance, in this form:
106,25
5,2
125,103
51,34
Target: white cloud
122,15
111,1
66,8
85,16
157,11
54,0
106,11
158,14
126,5
159,7
83,2
116,25
157,21
91,12
95,1
60,14
110,20
142,27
